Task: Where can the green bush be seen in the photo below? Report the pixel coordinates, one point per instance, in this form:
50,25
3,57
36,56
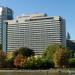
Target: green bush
46,64
38,63
71,62
9,63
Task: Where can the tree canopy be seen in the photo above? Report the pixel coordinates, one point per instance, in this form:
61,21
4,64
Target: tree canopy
60,57
24,51
57,53
49,51
0,46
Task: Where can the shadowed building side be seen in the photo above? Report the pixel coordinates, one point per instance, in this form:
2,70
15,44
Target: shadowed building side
5,14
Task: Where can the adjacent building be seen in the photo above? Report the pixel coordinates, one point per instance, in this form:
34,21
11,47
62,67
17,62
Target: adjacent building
71,46
35,31
5,14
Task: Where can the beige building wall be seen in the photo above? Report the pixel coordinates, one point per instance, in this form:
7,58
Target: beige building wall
35,31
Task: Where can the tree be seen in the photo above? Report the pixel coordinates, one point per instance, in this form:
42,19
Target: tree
31,63
61,56
10,63
24,51
10,60
71,62
21,55
20,61
58,54
2,59
9,55
49,51
38,63
0,46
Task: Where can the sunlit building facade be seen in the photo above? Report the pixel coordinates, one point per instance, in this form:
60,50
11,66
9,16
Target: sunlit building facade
35,31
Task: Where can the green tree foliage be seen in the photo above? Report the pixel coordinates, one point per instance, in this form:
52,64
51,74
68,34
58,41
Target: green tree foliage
20,61
38,63
10,63
24,51
61,56
0,46
10,60
2,59
58,54
71,62
18,58
50,50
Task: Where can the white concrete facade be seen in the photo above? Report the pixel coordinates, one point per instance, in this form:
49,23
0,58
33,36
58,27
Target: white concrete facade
35,31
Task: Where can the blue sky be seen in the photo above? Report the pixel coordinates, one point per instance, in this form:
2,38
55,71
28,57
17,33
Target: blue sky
64,8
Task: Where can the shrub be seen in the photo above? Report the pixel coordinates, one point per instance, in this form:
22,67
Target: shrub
10,63
38,63
19,61
71,62
46,64
2,59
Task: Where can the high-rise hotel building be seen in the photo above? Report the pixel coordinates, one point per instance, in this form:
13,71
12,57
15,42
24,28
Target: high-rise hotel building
5,14
35,31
